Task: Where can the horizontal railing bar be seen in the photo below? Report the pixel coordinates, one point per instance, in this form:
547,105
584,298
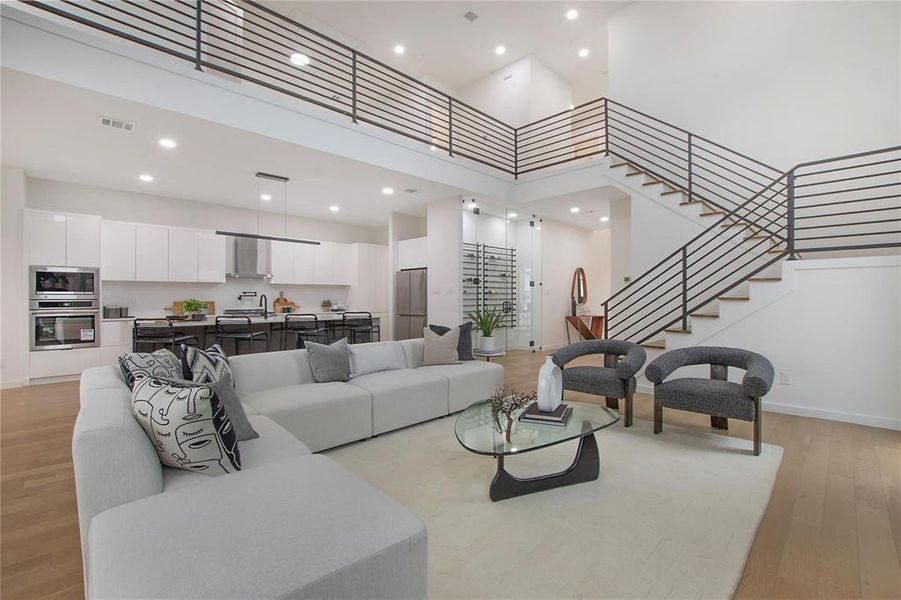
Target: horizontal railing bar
465,136
845,191
721,279
123,23
640,149
842,235
854,247
633,119
638,112
550,134
626,322
571,133
562,112
378,111
854,178
847,157
530,159
851,201
849,212
746,218
681,157
366,73
697,137
433,121
851,224
568,118
666,270
719,264
461,108
189,24
527,164
697,162
474,146
617,125
579,156
848,167
764,176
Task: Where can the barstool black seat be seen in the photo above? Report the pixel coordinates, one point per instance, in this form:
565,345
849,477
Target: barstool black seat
304,327
360,325
159,332
239,329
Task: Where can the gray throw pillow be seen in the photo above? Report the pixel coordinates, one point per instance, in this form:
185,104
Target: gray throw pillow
329,363
464,345
439,349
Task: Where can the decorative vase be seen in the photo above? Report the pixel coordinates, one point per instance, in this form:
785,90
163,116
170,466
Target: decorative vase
487,343
550,386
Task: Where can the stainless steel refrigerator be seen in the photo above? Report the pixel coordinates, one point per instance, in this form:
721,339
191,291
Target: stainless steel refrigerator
411,303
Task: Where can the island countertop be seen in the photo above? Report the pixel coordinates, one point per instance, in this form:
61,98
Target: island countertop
210,321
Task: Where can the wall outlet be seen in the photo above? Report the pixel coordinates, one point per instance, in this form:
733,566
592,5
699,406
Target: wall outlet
785,378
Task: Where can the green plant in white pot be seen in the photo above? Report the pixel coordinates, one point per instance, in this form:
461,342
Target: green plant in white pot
486,321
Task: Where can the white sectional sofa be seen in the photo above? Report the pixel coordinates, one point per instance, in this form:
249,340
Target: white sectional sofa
290,524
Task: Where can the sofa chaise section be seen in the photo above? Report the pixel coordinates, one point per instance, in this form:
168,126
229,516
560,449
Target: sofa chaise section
300,528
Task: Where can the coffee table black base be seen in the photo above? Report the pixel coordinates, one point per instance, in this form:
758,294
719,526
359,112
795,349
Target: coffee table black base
585,467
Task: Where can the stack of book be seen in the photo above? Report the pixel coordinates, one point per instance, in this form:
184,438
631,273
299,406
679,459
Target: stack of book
559,417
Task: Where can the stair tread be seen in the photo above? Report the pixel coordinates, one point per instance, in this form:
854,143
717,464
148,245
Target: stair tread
655,182
733,298
657,344
765,279
712,213
667,193
677,330
635,173
704,316
622,164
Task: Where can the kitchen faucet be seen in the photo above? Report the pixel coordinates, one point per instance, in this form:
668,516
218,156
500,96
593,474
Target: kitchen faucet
264,303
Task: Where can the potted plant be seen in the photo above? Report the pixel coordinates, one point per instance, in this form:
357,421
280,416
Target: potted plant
486,320
195,308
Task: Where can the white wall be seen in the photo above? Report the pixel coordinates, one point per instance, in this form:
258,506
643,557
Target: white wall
144,208
444,224
783,82
599,268
13,294
519,93
620,243
656,230
837,334
564,248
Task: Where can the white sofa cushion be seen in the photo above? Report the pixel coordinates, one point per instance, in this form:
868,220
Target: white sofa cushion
299,528
323,415
269,370
375,357
273,445
468,382
403,397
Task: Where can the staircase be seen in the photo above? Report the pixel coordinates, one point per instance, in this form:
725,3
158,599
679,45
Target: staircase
832,207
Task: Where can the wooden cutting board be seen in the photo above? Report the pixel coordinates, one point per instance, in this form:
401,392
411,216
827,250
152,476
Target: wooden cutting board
176,307
281,303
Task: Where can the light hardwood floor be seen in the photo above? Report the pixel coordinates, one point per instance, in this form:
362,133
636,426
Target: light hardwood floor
832,528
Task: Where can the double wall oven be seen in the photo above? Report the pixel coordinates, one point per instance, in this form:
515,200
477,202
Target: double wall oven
64,307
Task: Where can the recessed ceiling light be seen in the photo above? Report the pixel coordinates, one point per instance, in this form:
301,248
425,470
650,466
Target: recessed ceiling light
334,208
399,49
512,215
500,50
572,106
433,148
301,60
583,52
265,197
574,209
167,143
387,191
145,178
572,14
538,228
604,219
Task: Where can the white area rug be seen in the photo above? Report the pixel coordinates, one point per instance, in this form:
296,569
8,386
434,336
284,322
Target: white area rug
672,515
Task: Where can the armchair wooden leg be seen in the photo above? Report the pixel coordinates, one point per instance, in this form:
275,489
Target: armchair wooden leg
658,419
629,408
757,427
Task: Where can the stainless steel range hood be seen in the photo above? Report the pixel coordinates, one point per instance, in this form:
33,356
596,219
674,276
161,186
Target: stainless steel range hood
249,256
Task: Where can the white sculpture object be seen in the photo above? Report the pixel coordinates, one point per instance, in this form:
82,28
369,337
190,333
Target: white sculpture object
550,386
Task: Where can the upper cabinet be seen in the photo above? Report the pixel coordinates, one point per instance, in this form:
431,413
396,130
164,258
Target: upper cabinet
151,255
329,263
54,239
183,254
117,256
369,289
412,253
210,257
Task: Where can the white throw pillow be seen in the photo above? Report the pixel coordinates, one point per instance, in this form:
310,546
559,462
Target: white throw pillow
440,349
375,357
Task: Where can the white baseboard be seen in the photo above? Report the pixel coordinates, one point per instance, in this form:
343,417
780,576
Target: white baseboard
15,383
833,415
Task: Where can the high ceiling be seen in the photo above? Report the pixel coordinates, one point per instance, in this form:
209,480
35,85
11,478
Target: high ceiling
444,47
53,131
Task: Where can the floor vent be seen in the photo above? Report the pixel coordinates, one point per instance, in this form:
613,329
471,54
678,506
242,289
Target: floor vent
117,124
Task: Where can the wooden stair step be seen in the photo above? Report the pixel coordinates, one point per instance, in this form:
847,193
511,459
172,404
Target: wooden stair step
668,192
735,224
654,182
712,213
656,344
765,279
622,164
734,298
678,330
704,315
635,173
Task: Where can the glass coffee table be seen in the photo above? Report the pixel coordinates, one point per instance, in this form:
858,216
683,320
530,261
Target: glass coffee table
480,431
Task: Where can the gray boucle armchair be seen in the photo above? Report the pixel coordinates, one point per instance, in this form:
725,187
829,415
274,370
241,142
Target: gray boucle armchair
615,380
717,397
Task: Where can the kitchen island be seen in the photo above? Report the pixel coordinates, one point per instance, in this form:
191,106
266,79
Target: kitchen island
273,324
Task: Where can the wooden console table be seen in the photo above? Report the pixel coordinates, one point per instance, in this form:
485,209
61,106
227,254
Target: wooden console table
589,327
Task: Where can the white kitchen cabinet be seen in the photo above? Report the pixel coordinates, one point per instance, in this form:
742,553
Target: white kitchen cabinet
304,263
60,363
151,253
45,235
342,264
210,257
183,251
413,253
282,262
117,256
82,241
369,286
324,258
